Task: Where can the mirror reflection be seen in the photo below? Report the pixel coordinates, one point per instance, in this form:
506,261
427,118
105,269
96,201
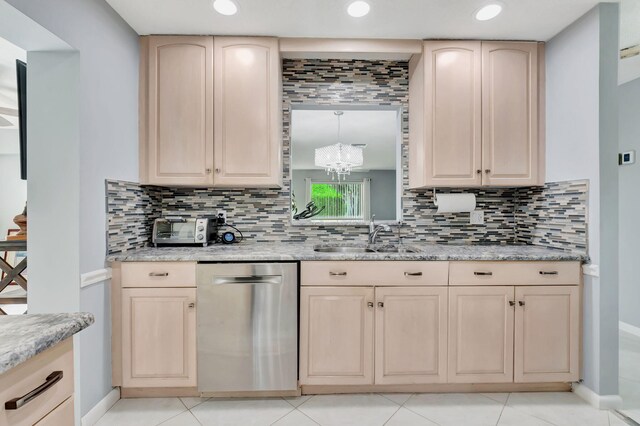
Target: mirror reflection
345,165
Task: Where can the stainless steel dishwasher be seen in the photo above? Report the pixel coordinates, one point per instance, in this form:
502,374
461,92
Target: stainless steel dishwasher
247,327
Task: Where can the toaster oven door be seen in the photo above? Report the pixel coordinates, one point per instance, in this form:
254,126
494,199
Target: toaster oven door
175,232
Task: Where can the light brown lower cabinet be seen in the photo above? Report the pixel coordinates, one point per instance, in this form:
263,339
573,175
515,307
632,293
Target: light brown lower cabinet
338,325
158,337
481,334
522,334
336,335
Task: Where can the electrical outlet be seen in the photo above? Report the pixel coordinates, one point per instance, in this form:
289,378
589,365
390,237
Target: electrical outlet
222,217
476,217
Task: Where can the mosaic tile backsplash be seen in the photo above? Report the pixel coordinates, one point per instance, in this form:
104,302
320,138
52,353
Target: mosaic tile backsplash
553,215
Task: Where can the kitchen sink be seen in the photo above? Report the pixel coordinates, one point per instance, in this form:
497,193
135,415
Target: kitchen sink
355,249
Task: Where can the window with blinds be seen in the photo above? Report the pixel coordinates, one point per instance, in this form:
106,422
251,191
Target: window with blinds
341,200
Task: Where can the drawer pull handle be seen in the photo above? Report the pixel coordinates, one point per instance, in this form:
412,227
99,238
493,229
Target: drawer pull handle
548,272
158,274
16,403
483,274
521,303
192,305
338,274
413,274
512,303
370,304
380,304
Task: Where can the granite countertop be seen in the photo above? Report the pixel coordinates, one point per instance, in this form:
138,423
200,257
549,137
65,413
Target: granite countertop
255,251
25,336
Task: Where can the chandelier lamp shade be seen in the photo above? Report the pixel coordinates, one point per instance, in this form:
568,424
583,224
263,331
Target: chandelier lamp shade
338,159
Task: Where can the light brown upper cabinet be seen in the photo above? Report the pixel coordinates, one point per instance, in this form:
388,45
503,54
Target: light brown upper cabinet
210,111
248,120
176,111
476,114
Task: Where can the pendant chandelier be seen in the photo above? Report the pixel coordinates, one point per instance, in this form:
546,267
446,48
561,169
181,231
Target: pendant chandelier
339,159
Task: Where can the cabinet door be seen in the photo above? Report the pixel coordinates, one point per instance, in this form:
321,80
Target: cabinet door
510,113
453,137
481,334
547,334
411,335
159,337
248,112
180,111
336,335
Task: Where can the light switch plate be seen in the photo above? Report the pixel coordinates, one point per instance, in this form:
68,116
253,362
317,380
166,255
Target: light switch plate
477,217
626,158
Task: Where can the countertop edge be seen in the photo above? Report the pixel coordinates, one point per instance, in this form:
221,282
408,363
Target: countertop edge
57,333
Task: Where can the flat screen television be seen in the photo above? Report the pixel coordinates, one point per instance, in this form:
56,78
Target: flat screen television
21,73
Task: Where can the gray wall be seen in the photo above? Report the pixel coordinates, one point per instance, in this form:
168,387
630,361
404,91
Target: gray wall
108,148
383,189
629,109
581,144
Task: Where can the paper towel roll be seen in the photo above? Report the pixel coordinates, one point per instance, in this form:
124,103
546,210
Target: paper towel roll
455,203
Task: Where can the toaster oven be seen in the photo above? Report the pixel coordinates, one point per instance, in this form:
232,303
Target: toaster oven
178,230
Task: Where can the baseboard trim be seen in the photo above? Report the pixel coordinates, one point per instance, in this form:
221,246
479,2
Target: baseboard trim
101,408
603,402
628,328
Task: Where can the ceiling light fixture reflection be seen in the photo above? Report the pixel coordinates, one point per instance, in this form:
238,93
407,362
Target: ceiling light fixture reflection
489,11
358,9
225,7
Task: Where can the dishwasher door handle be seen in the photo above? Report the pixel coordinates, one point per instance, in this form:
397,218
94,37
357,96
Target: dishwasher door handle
249,279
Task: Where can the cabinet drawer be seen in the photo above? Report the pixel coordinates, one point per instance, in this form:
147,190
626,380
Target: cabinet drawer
33,373
376,273
514,273
158,274
61,415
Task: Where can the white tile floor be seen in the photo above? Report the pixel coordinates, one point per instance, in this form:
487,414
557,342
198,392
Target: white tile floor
630,375
516,409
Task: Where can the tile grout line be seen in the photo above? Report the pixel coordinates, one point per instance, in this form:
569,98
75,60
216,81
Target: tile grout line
304,414
418,414
503,406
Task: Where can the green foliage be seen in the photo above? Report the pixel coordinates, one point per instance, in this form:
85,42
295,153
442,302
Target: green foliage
320,191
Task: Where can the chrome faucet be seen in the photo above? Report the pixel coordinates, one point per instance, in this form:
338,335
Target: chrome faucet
375,229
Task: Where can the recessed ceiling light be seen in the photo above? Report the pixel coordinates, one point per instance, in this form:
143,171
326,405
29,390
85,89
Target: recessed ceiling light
225,7
489,11
358,9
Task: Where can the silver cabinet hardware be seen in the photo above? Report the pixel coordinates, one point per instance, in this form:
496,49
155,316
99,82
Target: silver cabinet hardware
338,274
521,303
158,274
380,304
51,380
192,305
483,274
548,272
413,274
370,304
512,303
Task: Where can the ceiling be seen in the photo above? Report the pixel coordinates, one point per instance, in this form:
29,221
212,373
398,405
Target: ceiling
8,89
415,19
311,129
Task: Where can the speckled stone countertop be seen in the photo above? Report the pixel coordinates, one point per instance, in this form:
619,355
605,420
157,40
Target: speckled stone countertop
249,251
25,336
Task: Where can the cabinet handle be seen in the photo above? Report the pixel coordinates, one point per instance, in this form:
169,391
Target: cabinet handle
217,170
512,303
338,274
208,171
478,171
158,274
413,274
51,380
380,304
370,304
548,272
487,171
521,303
483,274
192,305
